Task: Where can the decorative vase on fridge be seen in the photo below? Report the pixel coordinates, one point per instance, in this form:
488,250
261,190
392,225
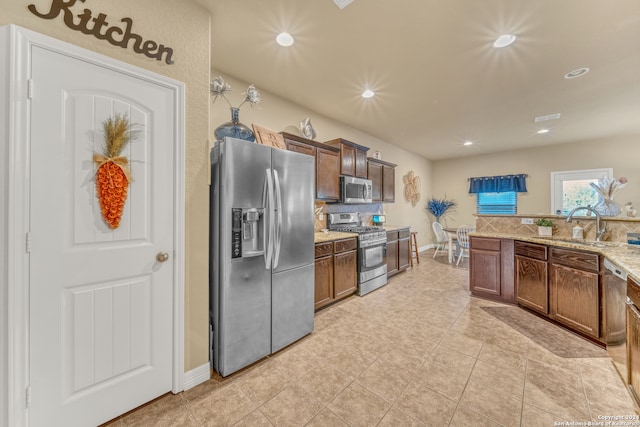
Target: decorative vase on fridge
607,207
234,128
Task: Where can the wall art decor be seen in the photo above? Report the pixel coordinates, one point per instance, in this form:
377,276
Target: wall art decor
87,23
112,170
307,130
266,137
412,187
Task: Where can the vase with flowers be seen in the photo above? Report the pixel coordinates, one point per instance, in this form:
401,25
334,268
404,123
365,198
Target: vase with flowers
233,128
607,188
440,207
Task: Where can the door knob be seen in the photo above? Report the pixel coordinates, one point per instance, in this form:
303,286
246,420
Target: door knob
162,256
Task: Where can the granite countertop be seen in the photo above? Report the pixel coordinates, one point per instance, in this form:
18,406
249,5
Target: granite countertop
395,227
322,237
622,254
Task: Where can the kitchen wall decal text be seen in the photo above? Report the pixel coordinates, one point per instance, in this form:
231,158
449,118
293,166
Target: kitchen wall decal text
99,27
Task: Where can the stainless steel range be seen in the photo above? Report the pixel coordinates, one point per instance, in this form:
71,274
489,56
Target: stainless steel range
372,249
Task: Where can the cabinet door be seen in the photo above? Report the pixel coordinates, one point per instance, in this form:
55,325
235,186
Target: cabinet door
323,281
361,163
484,272
633,349
348,160
392,257
299,147
403,254
345,279
575,299
374,173
388,184
327,174
531,283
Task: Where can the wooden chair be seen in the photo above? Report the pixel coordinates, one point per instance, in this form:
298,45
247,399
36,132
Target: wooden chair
414,248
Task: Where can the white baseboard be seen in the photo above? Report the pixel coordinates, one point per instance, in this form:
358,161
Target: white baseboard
197,376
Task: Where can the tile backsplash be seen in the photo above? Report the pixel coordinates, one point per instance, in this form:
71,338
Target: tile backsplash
366,212
617,227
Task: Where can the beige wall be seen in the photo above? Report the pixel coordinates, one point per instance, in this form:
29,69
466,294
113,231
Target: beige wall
184,27
620,153
278,115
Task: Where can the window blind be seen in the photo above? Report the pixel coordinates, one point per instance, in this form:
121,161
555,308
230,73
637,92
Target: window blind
504,203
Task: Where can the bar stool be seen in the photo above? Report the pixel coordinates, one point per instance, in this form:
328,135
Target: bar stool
414,248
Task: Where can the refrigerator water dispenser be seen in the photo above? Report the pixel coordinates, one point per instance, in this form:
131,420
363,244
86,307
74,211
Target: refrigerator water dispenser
247,237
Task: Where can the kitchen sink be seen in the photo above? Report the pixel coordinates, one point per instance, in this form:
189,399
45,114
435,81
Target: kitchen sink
590,243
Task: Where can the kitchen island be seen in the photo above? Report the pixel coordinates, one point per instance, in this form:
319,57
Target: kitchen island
577,284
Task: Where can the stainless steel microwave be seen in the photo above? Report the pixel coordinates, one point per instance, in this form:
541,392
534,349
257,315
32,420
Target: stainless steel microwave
355,190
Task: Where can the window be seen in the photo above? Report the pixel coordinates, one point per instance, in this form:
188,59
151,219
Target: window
570,189
504,203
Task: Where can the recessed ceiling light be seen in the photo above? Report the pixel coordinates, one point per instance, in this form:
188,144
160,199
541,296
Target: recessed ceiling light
467,143
284,39
541,131
368,93
576,73
504,40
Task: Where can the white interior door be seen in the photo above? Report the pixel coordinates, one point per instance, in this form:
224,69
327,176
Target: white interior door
100,320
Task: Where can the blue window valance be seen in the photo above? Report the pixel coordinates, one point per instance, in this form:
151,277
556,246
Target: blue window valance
498,184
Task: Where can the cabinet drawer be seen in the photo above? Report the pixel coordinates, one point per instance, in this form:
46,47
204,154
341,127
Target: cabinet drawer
531,250
633,291
582,260
404,234
323,249
485,244
392,236
345,245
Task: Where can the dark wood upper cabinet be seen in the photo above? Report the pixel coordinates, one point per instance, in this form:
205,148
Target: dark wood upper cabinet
353,157
383,180
361,163
327,172
375,175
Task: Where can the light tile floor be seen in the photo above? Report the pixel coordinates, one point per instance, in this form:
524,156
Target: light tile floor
419,352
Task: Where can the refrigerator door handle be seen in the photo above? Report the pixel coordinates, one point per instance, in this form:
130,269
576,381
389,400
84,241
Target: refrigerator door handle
276,256
267,235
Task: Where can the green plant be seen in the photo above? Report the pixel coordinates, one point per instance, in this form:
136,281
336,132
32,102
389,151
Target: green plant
544,222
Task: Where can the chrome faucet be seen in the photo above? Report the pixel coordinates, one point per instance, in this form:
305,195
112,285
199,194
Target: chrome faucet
601,226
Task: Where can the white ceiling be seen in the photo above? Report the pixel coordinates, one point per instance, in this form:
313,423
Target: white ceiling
437,78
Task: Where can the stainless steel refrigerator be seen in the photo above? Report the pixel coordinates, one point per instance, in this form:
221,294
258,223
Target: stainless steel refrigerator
261,251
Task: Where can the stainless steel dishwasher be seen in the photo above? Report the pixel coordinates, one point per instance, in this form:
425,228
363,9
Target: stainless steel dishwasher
615,290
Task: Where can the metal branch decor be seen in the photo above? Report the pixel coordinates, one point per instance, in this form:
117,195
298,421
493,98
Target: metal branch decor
411,188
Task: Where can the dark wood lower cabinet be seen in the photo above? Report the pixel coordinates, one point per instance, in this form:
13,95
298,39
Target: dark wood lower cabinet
392,257
398,251
575,299
633,338
532,283
531,276
574,290
491,268
335,271
345,274
323,281
404,249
